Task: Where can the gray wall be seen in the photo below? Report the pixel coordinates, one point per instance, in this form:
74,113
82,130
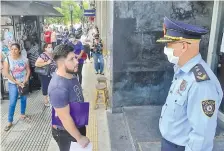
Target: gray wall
141,73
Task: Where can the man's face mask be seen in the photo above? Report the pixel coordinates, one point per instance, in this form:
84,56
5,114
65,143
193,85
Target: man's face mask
72,39
171,58
170,55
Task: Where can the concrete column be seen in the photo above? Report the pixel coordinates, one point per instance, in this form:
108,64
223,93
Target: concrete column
216,29
98,13
104,21
109,45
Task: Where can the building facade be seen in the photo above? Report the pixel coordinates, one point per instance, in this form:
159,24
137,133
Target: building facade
139,71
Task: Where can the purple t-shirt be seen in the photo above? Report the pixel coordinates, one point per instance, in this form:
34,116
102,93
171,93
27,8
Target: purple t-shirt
77,49
62,91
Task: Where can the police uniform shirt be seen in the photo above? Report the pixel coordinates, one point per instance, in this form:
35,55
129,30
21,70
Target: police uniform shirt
189,116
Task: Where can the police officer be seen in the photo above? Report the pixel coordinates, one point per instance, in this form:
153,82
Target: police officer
189,117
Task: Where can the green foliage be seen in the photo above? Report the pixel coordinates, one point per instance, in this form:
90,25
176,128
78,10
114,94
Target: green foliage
64,9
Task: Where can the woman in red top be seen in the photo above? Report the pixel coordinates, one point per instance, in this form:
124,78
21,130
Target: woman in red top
47,35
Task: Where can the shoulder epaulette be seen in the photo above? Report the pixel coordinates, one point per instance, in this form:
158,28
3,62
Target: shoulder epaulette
200,73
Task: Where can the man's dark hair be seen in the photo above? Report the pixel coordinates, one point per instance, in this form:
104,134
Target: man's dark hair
62,51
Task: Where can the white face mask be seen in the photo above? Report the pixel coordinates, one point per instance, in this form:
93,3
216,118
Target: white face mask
50,50
171,58
72,39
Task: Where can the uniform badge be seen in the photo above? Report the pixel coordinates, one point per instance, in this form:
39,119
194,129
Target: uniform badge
200,73
183,85
208,107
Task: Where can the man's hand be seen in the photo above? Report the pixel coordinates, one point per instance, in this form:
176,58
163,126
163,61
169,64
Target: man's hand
83,141
79,57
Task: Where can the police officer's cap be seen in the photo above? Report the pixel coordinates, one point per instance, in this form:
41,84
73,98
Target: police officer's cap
176,30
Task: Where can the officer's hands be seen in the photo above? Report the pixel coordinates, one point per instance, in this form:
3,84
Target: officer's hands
83,141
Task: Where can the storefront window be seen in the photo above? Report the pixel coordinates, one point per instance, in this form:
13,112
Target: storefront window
7,37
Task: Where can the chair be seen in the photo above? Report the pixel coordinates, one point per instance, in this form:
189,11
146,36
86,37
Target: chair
101,88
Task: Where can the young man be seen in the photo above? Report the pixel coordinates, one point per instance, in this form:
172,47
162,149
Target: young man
63,89
189,117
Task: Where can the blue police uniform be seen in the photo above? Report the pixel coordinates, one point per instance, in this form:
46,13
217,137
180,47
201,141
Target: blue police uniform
189,116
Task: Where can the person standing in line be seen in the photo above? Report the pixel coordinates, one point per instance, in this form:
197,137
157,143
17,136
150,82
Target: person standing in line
189,116
54,38
17,71
86,44
32,55
47,35
43,60
98,55
65,89
78,50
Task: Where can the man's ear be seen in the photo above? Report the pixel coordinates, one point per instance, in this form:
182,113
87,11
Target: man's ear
185,46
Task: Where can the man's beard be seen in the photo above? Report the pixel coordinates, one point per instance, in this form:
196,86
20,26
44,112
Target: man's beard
69,71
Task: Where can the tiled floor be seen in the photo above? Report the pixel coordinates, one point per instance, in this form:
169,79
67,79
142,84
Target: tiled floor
33,135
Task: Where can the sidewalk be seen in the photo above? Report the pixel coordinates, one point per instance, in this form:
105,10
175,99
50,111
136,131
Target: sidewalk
35,135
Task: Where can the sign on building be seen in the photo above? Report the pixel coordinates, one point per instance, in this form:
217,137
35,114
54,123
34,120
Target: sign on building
89,12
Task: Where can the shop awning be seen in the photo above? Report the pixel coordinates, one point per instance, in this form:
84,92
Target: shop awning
28,8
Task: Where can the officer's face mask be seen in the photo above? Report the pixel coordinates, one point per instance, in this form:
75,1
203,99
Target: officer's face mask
170,54
171,58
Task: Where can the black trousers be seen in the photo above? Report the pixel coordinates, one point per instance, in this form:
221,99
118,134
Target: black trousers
64,139
35,82
87,50
79,73
168,146
2,87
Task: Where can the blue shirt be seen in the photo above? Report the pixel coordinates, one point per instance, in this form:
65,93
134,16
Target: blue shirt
189,116
63,91
77,49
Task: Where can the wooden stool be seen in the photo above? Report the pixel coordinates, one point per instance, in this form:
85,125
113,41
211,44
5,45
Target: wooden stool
102,80
101,89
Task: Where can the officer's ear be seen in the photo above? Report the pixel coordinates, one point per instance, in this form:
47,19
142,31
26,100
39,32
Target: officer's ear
185,46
